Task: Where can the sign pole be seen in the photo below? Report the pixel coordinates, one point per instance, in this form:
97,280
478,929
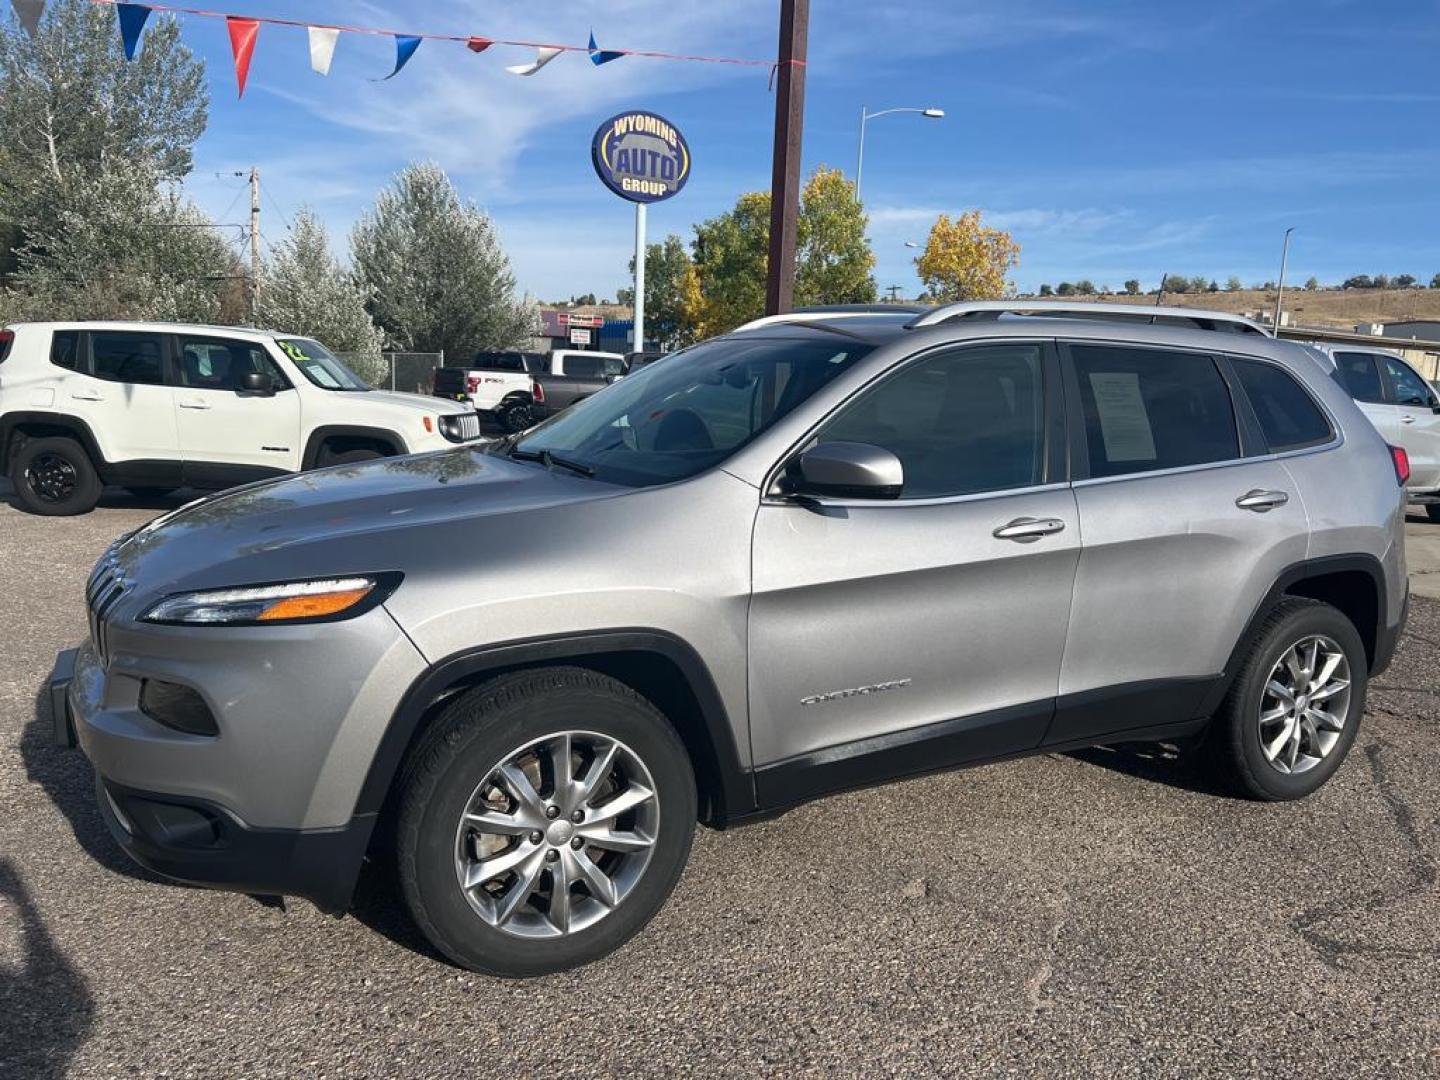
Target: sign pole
639,277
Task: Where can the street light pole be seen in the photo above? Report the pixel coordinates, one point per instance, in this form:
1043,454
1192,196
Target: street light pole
1280,290
929,114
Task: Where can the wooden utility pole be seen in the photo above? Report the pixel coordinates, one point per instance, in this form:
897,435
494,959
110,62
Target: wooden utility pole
785,173
254,241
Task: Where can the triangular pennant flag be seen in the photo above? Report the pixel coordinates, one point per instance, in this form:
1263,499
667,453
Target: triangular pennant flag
478,44
242,43
29,12
405,47
322,48
543,55
598,55
132,21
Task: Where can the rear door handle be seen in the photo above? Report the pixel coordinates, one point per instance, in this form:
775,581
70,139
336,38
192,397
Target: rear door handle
1261,501
1027,530
1407,419
87,395
192,403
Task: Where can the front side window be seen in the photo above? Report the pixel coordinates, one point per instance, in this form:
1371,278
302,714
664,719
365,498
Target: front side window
962,422
1357,374
1289,417
1406,388
127,358
213,364
1149,409
674,420
320,366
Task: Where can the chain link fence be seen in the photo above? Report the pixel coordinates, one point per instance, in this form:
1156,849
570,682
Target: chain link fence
411,372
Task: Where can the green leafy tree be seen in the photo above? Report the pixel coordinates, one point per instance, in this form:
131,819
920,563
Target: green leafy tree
74,111
1046,290
1233,284
833,263
1435,282
730,257
667,318
305,291
1065,288
1175,283
120,247
1132,287
1085,287
1405,281
434,269
1312,284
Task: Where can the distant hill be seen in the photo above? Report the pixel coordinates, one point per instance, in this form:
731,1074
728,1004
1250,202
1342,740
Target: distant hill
1341,308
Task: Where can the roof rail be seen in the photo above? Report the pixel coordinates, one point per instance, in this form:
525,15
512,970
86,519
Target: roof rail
834,311
992,309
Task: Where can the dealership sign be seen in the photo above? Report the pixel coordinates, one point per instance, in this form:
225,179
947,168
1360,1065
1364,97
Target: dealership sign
641,157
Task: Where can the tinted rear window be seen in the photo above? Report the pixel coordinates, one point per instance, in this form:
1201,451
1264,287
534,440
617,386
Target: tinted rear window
1357,374
1288,415
1149,409
127,358
65,349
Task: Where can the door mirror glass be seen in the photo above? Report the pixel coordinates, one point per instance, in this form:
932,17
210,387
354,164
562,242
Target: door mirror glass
257,382
849,470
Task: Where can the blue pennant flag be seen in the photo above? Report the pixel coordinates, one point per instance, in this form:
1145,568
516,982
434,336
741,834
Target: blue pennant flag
132,21
405,47
599,56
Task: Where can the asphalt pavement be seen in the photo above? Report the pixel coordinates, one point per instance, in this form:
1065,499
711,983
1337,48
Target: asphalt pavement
1100,914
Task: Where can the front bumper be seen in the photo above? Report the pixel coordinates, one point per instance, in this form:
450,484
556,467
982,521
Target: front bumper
268,804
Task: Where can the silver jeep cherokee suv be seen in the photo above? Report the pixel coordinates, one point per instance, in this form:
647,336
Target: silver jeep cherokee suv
870,545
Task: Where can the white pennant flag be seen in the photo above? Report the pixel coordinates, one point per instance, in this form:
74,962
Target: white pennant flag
29,12
322,48
543,55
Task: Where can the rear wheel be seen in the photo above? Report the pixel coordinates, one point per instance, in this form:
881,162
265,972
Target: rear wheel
544,819
1294,710
515,415
54,476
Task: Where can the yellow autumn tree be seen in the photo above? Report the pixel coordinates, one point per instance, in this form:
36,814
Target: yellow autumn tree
965,260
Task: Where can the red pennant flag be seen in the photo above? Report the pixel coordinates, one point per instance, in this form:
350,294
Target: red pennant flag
242,43
478,44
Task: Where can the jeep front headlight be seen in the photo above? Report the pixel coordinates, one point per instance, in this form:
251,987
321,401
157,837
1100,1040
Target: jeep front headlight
317,600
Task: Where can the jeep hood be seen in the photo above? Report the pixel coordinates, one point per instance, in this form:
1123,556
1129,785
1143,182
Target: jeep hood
359,518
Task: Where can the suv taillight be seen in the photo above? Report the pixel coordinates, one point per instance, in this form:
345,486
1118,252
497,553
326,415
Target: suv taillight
472,383
537,392
6,338
1401,460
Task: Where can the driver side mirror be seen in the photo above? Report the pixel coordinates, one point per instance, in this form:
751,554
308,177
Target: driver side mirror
257,382
849,470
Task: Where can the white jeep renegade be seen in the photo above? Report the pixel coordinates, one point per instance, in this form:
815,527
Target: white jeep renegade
157,406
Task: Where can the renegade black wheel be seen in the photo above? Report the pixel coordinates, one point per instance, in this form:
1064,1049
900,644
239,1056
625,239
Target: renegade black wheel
515,416
544,819
1294,710
54,476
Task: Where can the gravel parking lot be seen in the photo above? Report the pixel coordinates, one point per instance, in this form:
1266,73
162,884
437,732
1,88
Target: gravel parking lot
1094,914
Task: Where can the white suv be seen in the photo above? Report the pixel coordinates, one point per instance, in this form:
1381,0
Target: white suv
157,406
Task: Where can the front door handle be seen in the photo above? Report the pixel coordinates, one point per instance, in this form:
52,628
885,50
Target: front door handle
192,403
1262,501
1407,419
1027,530
87,395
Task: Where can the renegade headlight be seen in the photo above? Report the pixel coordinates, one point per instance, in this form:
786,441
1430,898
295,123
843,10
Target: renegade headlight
320,600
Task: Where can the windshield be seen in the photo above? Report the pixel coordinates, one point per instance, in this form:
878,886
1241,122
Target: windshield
670,421
320,365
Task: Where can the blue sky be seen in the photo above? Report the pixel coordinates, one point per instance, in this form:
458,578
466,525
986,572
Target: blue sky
1114,140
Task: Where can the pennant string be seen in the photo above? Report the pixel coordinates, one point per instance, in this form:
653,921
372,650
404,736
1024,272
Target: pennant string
463,39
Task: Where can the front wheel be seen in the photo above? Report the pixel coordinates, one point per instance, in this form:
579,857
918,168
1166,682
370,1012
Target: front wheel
544,819
1294,710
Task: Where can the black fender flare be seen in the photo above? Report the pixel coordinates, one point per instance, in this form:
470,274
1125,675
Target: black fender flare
72,424
736,789
348,431
1287,579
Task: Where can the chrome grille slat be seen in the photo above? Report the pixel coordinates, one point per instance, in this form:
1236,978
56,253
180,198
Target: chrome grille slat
102,592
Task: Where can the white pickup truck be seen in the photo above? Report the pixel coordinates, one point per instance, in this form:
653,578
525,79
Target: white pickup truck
518,388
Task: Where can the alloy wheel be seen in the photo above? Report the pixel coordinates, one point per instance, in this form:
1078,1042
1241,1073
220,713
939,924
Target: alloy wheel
1304,704
557,834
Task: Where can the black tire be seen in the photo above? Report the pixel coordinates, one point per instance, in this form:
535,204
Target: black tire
347,457
470,738
150,492
55,477
1233,741
1432,511
514,416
